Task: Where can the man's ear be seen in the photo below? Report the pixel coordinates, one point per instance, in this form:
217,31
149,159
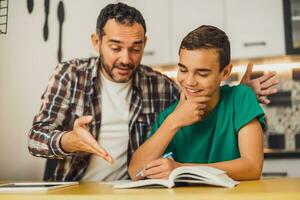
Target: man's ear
226,72
145,40
95,41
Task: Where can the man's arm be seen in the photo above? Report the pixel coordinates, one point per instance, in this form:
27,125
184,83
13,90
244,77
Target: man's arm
44,136
262,86
48,138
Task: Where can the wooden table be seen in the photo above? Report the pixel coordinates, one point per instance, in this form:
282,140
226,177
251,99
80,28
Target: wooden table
283,189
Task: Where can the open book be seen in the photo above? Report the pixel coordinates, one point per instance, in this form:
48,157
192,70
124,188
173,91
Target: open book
186,174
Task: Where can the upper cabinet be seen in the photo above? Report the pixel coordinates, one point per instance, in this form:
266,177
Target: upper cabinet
157,17
255,28
292,26
188,15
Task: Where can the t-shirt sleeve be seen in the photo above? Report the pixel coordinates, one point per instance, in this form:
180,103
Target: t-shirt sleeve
247,108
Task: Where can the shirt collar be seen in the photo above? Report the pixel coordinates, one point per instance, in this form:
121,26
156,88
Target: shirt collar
96,68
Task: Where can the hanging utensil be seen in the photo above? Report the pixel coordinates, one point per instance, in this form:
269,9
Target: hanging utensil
30,6
46,29
61,18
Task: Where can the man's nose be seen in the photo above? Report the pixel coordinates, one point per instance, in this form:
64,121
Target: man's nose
125,57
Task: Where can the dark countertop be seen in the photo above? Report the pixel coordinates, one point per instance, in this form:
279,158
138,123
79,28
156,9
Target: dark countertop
279,154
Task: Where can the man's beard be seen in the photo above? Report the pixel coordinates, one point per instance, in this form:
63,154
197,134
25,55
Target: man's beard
109,72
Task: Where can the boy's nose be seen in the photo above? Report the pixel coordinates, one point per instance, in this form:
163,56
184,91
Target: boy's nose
190,81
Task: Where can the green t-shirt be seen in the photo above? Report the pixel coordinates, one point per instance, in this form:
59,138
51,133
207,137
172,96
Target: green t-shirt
215,138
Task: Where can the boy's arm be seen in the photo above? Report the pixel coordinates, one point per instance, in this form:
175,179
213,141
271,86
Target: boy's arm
153,148
247,167
187,112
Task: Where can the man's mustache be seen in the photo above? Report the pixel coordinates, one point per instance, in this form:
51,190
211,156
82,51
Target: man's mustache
123,66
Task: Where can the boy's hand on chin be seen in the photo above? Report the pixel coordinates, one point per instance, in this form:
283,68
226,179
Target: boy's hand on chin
189,111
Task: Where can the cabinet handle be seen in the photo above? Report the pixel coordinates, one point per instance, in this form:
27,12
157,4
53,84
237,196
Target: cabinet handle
249,44
149,53
277,174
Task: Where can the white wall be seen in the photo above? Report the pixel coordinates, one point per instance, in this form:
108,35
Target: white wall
26,63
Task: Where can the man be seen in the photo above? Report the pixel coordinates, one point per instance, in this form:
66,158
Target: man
96,112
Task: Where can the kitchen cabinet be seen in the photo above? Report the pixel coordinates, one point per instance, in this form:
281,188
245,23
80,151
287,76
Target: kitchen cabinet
157,16
188,15
255,27
281,167
291,10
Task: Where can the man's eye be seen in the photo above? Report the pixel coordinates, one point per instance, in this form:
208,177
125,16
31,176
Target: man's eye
116,49
182,70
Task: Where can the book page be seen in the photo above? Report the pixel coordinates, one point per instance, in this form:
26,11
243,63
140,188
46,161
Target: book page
146,182
202,174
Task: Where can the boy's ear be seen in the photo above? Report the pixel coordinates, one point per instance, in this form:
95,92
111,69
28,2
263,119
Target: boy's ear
226,72
95,41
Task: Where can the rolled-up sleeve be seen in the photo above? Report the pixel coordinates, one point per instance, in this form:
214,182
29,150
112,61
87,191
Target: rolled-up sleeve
47,129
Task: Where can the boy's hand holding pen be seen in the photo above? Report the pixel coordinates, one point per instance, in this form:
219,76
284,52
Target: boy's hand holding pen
142,172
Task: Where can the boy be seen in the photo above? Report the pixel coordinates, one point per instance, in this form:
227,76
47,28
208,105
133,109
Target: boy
210,125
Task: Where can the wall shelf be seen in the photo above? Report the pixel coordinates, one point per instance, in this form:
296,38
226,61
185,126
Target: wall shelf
3,16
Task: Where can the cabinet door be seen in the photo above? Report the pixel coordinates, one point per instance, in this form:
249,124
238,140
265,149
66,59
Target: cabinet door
255,27
281,167
188,15
156,14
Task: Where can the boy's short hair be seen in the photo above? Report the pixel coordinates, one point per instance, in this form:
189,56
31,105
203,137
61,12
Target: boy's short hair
122,13
208,37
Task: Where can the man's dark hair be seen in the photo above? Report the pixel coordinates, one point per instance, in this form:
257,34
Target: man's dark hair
122,13
208,37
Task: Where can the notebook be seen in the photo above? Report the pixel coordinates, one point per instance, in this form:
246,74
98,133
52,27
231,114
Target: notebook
187,174
34,186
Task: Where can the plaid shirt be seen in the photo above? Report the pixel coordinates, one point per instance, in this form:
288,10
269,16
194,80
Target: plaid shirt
74,91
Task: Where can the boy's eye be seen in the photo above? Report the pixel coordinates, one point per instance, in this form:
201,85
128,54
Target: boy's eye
204,74
136,49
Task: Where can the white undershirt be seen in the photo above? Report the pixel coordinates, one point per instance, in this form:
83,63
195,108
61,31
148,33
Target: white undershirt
114,133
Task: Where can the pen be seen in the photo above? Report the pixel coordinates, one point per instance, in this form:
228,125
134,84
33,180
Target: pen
166,155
